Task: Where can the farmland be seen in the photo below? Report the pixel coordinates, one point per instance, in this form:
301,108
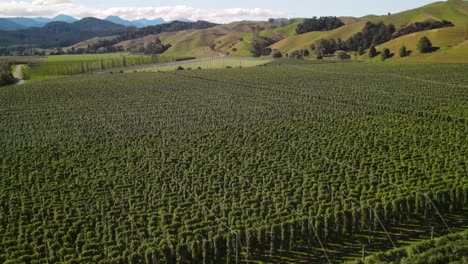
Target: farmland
295,162
78,64
209,63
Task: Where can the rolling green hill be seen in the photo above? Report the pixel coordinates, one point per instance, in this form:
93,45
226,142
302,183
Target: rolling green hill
450,40
235,39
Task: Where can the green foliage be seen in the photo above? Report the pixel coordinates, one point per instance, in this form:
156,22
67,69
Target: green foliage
6,77
424,45
319,24
421,26
25,72
276,54
122,168
319,56
260,48
372,52
71,65
403,52
343,55
326,46
451,248
385,54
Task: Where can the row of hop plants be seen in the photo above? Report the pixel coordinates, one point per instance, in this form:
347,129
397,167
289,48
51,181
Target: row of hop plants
122,169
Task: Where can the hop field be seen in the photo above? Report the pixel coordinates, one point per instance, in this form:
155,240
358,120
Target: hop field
293,162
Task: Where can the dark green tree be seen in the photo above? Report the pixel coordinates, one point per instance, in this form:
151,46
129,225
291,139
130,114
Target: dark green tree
424,45
385,54
372,52
6,78
403,52
276,54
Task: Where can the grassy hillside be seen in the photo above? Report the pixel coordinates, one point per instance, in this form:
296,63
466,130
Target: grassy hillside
84,44
235,39
435,11
304,41
452,42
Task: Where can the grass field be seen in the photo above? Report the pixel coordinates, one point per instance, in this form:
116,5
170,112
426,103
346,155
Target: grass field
83,57
295,162
56,66
214,63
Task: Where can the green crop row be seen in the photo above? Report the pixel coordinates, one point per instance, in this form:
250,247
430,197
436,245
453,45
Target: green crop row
228,165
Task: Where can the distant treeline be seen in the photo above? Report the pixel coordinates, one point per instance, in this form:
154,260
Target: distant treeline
21,50
169,27
319,24
86,66
422,26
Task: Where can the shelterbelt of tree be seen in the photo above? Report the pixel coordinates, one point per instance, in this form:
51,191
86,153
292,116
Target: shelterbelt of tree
281,163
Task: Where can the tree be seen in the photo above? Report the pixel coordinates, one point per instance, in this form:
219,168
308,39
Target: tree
424,45
403,52
6,78
360,51
260,48
343,55
372,52
256,49
319,56
326,46
296,55
276,54
319,24
385,54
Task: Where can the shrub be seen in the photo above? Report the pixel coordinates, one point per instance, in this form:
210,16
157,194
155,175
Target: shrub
343,55
276,54
6,78
372,52
424,45
319,56
25,72
385,54
403,52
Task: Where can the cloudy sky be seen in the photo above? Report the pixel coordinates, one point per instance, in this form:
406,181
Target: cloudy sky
212,10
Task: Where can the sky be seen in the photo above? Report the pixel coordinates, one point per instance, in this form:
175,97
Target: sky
220,11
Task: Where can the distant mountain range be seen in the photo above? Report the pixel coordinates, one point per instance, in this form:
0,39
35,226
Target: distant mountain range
59,33
18,23
63,34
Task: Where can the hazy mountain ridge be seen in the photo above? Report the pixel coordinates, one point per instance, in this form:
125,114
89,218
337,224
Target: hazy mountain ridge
18,23
26,22
62,34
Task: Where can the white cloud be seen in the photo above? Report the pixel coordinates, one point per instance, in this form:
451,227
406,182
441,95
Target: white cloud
50,8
